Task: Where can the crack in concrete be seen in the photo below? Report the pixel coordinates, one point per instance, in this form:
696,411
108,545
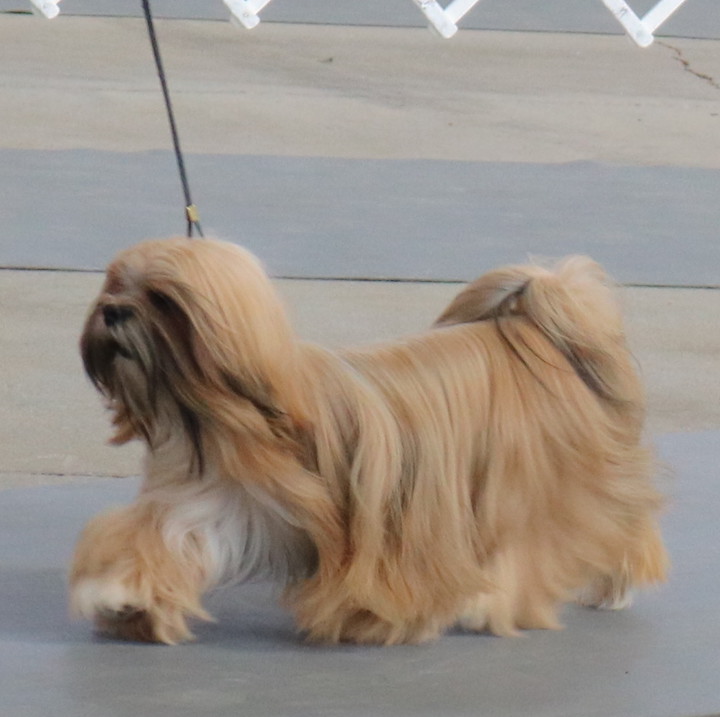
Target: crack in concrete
680,57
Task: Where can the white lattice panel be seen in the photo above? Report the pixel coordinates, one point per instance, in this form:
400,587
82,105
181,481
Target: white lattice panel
444,19
641,29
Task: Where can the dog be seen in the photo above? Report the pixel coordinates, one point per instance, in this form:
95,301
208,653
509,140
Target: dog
479,474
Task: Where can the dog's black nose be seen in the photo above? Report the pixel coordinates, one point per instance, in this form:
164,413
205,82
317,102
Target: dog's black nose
115,314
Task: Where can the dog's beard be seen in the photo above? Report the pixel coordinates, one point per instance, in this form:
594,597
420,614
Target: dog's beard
136,362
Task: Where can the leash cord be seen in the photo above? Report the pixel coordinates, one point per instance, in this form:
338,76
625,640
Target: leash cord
191,212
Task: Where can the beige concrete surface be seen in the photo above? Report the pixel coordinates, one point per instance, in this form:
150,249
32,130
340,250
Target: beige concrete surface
360,92
53,427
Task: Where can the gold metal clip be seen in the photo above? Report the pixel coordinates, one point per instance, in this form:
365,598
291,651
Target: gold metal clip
192,213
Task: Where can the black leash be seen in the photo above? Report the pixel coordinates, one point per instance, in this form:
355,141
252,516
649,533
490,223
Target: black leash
191,212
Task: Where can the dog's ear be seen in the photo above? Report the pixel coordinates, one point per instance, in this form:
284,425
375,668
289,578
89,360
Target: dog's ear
208,368
194,354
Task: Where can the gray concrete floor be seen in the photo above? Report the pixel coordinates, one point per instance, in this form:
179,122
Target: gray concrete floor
288,92
658,659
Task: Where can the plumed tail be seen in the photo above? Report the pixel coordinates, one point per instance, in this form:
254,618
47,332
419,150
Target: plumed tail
572,304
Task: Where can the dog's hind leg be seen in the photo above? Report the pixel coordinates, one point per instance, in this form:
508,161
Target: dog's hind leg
644,564
608,592
519,597
475,615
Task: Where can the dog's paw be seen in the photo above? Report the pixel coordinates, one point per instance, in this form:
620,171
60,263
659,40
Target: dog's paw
129,624
120,612
606,593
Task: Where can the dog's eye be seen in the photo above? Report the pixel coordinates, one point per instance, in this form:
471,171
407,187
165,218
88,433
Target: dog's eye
113,315
163,303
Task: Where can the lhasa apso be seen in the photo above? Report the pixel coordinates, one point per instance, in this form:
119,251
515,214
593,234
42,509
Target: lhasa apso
481,473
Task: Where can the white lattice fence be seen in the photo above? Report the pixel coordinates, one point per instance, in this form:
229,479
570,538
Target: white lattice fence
445,18
641,29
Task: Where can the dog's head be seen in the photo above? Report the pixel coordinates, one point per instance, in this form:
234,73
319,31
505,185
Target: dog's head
190,336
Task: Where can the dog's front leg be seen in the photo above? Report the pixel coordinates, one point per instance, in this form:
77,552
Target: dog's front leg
126,579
